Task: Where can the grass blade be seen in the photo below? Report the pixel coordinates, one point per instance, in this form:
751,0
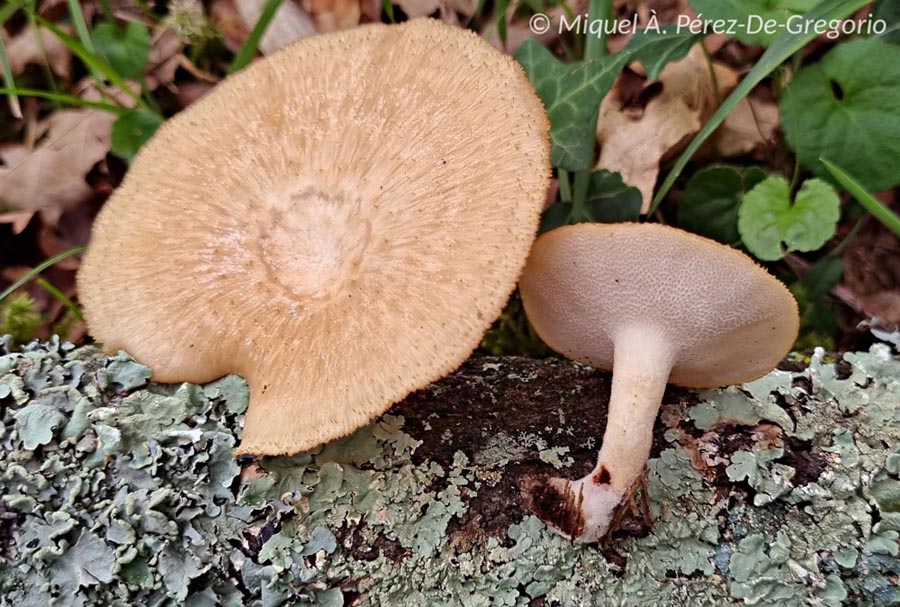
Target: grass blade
93,62
80,26
781,50
248,51
874,206
64,98
599,11
38,269
60,297
388,7
9,81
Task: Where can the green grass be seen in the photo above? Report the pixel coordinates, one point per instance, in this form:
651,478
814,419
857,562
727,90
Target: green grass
874,206
38,269
251,45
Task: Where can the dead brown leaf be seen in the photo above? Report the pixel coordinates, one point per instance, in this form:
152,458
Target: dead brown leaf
418,8
28,48
19,220
50,178
225,18
750,127
333,15
190,92
290,23
883,309
637,131
871,271
165,59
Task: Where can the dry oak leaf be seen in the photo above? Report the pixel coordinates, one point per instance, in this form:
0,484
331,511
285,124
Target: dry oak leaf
635,137
165,59
27,48
50,178
333,15
751,126
418,8
291,23
19,220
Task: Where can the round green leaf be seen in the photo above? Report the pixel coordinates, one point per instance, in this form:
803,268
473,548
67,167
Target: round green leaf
846,108
751,16
131,131
711,201
768,222
125,48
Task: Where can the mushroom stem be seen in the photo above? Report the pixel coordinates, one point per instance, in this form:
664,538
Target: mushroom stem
583,510
641,367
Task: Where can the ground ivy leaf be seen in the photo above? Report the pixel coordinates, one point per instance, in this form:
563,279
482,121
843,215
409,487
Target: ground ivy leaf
572,94
126,48
847,108
656,49
712,199
752,15
608,200
767,219
131,131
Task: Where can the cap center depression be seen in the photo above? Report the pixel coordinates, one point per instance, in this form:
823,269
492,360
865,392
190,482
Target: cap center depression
313,243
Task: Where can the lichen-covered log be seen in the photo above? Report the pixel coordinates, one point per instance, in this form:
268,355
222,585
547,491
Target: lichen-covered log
784,491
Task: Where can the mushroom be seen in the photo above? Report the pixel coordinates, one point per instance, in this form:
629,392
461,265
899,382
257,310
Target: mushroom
339,223
656,305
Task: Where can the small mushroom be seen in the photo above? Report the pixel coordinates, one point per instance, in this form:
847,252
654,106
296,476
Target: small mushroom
339,223
656,305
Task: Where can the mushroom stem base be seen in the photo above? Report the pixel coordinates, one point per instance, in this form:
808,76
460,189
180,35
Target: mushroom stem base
584,510
580,511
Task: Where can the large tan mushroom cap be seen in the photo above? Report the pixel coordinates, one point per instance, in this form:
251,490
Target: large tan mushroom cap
726,318
339,223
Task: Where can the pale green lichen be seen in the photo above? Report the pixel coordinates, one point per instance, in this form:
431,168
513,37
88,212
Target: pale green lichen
119,492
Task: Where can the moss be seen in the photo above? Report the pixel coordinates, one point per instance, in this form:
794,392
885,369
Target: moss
116,491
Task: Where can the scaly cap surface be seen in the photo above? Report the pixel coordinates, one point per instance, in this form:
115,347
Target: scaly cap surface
339,223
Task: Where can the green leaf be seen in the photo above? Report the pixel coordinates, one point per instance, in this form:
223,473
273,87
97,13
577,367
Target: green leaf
656,49
126,49
759,22
572,94
131,131
847,109
784,46
889,11
767,219
711,201
608,200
